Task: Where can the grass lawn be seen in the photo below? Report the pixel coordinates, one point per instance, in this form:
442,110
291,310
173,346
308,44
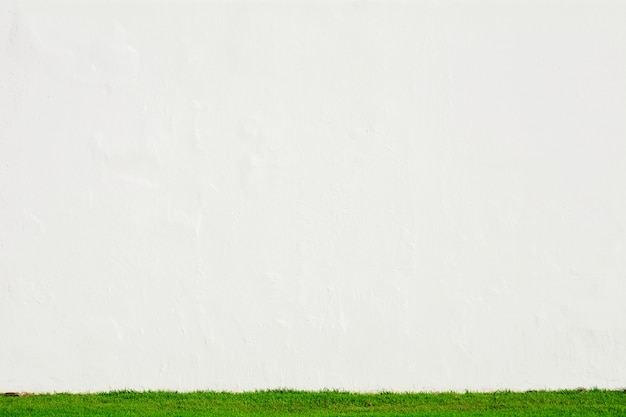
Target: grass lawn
325,403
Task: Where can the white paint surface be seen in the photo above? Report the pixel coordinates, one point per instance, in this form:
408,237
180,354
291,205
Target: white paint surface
361,195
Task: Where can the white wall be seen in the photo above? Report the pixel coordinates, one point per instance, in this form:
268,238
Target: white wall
361,195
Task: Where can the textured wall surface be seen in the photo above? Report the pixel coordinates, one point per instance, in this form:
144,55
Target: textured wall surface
364,195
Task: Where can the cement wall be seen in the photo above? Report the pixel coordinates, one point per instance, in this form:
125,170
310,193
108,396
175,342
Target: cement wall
362,195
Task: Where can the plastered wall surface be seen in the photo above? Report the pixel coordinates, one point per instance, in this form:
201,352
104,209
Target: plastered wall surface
363,195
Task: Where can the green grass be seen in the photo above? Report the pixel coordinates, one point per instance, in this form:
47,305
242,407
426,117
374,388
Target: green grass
326,403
